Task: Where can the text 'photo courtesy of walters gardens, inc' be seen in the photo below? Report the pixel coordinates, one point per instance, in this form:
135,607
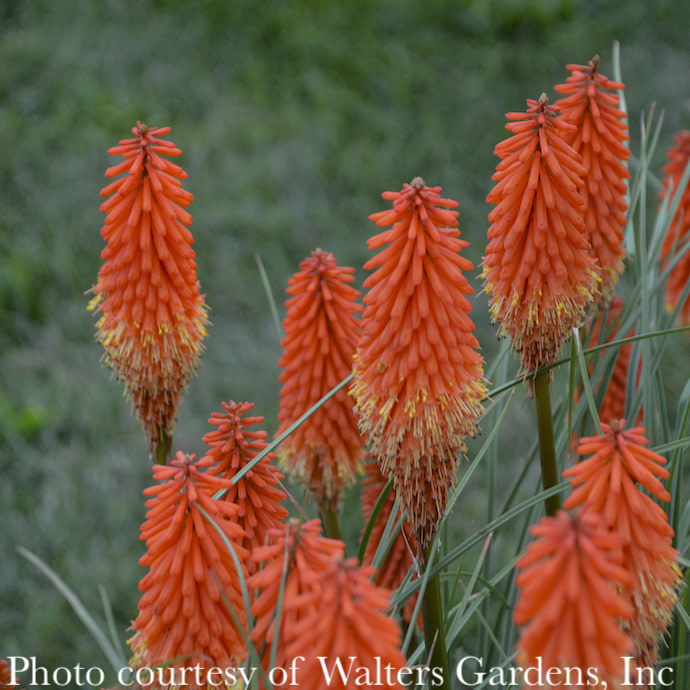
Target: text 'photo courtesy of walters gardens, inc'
469,672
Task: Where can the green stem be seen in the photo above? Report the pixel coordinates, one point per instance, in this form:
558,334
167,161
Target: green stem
331,520
164,447
547,446
434,631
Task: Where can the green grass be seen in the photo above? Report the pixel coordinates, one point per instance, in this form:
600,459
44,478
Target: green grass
292,118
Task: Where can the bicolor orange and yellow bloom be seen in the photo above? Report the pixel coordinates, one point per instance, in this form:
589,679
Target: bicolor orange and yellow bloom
591,103
152,314
538,271
258,494
294,552
192,579
321,333
607,485
418,374
343,620
678,157
568,604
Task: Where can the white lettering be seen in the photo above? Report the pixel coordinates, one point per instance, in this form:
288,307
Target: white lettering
293,670
478,675
284,677
99,680
338,666
14,670
120,678
243,674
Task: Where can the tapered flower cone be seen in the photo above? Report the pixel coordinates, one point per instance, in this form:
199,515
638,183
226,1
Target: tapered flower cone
293,552
400,557
676,240
607,486
537,270
192,581
592,105
343,620
257,494
568,603
321,332
153,317
418,377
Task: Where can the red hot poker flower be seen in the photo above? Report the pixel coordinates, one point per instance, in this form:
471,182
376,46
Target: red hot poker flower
418,377
192,578
592,105
257,494
568,603
678,157
343,618
153,317
607,487
537,269
293,552
321,331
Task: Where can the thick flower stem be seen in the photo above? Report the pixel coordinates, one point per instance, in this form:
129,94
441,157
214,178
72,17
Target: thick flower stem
164,448
547,448
331,521
434,631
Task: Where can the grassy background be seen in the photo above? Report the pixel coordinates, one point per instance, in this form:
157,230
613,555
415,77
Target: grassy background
292,117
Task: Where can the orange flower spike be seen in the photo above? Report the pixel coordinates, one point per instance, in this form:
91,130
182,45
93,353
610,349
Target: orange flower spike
233,444
293,551
418,377
347,619
192,578
607,487
152,315
537,270
321,332
592,105
616,449
677,157
399,558
568,604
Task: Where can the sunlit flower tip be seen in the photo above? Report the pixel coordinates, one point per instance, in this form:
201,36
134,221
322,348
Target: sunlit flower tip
591,103
612,406
607,485
292,552
568,603
192,581
344,616
321,332
400,556
675,246
234,444
418,376
538,271
152,314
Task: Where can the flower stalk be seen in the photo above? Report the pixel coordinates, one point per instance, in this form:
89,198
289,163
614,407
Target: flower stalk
547,446
434,628
331,520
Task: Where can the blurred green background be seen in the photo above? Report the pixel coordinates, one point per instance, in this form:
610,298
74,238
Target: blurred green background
293,117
